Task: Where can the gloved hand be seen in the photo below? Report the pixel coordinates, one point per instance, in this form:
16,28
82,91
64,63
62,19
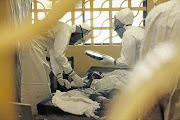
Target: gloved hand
107,60
63,82
78,81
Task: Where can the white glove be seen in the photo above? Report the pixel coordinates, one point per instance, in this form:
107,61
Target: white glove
78,81
107,60
63,82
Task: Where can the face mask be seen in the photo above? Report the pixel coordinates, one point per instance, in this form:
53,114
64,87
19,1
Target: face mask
74,38
78,35
120,31
119,27
117,24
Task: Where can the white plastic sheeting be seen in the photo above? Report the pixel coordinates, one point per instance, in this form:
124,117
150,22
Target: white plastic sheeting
162,26
74,102
116,79
19,12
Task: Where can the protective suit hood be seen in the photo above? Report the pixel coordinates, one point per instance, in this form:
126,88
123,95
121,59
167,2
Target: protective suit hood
122,19
125,16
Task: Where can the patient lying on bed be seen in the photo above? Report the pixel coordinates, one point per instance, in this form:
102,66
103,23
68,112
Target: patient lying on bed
88,100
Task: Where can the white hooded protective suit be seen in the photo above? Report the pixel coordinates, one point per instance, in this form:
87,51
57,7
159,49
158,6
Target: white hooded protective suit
35,83
131,40
163,24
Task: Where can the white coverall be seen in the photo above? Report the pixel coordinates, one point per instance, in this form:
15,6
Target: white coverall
131,43
131,40
35,83
163,24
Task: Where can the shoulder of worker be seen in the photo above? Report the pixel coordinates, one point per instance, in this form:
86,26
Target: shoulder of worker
127,34
131,29
60,26
135,32
161,8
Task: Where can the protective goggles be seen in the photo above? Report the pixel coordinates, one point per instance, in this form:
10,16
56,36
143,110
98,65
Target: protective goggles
78,36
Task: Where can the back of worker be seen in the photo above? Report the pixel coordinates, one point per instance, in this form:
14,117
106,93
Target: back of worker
162,25
138,34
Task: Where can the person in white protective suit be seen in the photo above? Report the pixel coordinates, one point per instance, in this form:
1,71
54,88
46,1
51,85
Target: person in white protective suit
163,25
131,40
35,83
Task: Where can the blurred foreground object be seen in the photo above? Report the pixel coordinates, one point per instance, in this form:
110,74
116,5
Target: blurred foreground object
7,65
151,81
158,74
8,37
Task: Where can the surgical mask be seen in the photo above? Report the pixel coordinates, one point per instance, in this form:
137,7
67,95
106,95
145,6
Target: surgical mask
78,36
119,27
117,24
120,31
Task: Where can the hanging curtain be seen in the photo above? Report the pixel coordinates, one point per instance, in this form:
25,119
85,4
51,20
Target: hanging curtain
19,14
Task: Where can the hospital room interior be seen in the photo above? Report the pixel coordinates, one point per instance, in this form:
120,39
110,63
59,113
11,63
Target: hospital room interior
90,60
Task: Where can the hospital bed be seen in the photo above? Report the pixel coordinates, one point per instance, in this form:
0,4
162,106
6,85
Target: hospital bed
48,110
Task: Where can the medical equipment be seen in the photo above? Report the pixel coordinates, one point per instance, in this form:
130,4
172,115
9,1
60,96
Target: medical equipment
94,55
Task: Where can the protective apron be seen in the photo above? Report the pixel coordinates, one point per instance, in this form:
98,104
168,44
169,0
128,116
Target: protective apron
35,83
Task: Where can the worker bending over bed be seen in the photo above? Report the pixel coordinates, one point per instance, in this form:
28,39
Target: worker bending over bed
35,83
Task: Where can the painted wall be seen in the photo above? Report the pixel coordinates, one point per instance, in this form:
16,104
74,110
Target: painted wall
82,62
150,4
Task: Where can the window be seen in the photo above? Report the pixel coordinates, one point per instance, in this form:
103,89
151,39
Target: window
98,14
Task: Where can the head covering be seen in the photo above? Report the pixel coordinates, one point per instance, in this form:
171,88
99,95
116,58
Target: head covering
125,16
